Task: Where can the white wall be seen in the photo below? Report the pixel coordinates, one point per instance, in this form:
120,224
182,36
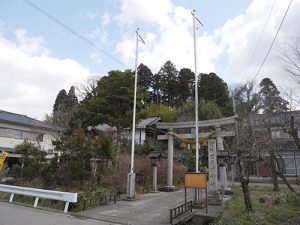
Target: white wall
46,144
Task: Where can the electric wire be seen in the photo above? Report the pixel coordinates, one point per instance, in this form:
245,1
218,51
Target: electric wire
80,36
263,62
260,37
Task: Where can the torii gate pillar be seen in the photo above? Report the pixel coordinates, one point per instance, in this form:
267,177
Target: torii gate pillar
169,186
220,147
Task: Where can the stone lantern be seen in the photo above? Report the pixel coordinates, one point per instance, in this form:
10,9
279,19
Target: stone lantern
222,158
155,157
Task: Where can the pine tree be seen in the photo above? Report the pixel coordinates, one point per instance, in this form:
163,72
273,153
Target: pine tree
185,84
271,101
64,106
169,80
213,88
145,77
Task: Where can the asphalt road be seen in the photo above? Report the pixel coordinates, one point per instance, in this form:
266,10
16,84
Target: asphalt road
11,214
147,209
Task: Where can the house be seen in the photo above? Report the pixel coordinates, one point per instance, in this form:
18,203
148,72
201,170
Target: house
15,128
279,124
143,131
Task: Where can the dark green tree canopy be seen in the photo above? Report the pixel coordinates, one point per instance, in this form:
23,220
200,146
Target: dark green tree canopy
145,77
156,90
113,102
65,104
206,111
186,80
168,75
213,88
271,101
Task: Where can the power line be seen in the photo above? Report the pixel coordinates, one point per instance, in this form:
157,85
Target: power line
80,36
261,34
273,40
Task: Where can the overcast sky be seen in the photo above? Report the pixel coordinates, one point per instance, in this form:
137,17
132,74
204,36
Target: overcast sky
38,57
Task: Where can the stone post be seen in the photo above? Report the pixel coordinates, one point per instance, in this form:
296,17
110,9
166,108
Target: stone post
212,168
169,186
220,147
154,170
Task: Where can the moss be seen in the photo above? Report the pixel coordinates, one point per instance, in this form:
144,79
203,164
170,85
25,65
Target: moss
270,208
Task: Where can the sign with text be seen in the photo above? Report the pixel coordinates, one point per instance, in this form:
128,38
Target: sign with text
2,159
195,180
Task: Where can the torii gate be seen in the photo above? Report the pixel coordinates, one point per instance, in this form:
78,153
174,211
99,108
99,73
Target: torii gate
216,123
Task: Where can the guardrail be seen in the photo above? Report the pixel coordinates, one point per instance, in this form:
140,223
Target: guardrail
180,210
39,193
90,202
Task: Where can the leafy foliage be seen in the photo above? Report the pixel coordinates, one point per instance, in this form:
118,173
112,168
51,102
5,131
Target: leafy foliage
166,113
270,97
112,104
213,88
168,75
206,110
64,106
79,148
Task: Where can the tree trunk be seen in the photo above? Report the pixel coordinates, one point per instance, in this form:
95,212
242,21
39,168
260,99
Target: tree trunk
246,192
294,132
275,181
274,171
118,149
280,174
286,182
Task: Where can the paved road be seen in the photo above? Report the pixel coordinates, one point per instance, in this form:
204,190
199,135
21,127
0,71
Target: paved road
148,209
11,214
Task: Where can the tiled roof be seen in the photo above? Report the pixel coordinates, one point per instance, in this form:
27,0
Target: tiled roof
19,119
276,119
146,122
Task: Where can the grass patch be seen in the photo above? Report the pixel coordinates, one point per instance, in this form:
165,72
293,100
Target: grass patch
269,208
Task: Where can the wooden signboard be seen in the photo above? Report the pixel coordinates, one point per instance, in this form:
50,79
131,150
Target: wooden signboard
2,158
195,180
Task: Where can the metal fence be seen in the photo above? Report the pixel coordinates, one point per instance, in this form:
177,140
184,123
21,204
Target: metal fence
180,210
91,202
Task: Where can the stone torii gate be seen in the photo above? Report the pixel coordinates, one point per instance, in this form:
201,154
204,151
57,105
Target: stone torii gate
220,133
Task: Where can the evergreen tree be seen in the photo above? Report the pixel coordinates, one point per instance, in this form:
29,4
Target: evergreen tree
213,88
169,80
145,80
186,80
60,100
113,102
72,100
206,111
64,106
145,77
270,97
156,90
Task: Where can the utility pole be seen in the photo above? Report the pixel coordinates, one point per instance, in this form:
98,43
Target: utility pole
131,174
196,100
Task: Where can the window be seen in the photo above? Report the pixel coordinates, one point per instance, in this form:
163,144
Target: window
279,134
284,134
275,134
26,135
2,132
298,166
8,133
290,167
17,134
